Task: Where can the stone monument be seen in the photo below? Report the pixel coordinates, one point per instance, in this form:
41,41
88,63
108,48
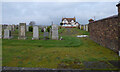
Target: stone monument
0,31
22,31
35,32
27,28
54,32
7,34
9,27
13,27
80,27
46,35
83,27
44,29
86,27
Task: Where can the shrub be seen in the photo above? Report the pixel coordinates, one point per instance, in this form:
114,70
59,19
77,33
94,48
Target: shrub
42,30
30,28
48,29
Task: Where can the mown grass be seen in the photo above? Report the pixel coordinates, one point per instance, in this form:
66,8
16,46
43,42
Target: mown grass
54,53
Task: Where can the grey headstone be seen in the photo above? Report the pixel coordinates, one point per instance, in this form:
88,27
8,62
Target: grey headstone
50,32
83,27
13,27
55,32
27,28
35,32
9,27
0,31
7,34
46,35
22,31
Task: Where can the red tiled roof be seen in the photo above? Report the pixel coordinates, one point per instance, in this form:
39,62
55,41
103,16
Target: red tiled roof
69,19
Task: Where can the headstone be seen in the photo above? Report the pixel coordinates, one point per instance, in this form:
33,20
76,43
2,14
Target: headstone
83,27
35,32
44,29
46,35
7,34
27,28
0,31
9,27
86,27
80,27
50,32
13,27
55,32
22,31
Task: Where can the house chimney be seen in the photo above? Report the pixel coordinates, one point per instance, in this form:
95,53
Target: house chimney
118,5
91,20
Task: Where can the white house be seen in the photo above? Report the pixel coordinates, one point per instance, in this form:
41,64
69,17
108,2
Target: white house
69,22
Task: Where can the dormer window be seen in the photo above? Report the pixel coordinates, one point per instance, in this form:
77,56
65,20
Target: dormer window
72,21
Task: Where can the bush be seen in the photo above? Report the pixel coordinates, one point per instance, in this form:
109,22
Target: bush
30,28
59,27
48,29
42,30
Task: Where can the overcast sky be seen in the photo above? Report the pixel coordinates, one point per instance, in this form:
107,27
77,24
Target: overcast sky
43,13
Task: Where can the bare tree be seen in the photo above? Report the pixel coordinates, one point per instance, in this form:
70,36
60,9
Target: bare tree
32,23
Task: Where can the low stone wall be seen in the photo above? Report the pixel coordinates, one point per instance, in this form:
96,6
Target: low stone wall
105,32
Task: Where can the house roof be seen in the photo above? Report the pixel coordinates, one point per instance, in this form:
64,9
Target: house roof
69,19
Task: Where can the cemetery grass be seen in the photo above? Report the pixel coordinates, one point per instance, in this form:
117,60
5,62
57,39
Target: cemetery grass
54,53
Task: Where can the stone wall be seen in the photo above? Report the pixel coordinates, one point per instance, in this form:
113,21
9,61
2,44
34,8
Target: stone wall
105,32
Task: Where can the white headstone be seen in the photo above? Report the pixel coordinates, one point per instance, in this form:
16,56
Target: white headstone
55,32
0,31
35,32
27,28
44,29
86,27
7,34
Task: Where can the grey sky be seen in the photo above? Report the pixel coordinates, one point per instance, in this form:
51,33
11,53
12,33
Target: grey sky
43,13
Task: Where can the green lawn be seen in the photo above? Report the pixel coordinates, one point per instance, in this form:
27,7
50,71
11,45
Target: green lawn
53,53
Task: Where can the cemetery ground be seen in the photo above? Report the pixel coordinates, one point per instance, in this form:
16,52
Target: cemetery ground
69,53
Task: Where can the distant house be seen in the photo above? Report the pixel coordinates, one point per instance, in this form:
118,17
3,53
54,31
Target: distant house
69,22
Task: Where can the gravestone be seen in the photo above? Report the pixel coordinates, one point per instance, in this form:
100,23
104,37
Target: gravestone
44,29
83,27
46,35
50,33
0,31
27,28
80,27
22,31
13,27
55,32
35,32
86,27
7,34
9,27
